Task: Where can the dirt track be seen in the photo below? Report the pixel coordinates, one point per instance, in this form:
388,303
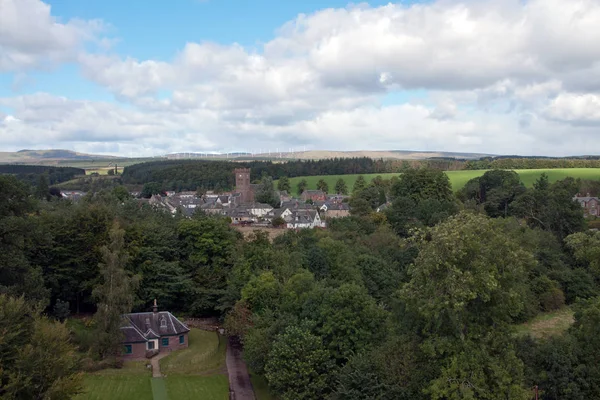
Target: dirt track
240,387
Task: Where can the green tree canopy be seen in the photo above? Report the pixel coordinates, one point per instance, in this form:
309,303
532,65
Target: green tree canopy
468,285
265,193
302,186
115,294
298,364
421,184
322,185
284,184
359,184
341,187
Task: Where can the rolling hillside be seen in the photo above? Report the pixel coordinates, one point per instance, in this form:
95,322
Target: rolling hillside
459,178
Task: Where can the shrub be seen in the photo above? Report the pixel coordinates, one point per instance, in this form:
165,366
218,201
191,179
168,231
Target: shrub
552,299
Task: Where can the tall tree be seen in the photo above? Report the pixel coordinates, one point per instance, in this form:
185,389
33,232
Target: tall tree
322,185
284,184
468,286
298,364
265,192
359,184
37,358
421,184
42,190
114,295
302,186
495,190
341,187
551,207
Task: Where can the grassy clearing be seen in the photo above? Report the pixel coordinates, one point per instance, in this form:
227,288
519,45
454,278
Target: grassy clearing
130,382
459,178
548,324
183,387
205,354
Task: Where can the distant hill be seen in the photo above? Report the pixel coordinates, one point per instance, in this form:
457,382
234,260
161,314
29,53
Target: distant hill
326,154
35,156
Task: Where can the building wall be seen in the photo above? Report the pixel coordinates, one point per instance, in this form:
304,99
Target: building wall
336,213
138,350
174,343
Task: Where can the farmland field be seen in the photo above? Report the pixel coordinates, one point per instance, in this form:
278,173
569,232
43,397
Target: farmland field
458,178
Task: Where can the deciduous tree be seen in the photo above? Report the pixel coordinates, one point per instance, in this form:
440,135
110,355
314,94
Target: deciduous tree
114,295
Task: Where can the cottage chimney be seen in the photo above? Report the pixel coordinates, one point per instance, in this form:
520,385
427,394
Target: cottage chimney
155,307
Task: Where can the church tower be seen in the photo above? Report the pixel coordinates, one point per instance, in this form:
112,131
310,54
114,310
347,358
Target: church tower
242,184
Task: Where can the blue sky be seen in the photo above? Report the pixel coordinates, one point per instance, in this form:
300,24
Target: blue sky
152,77
157,30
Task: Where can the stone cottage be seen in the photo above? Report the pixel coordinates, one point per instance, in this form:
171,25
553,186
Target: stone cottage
146,332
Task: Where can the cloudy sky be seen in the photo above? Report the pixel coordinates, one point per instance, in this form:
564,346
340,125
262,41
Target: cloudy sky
148,77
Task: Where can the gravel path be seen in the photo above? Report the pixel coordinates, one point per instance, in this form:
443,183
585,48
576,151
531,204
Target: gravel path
240,387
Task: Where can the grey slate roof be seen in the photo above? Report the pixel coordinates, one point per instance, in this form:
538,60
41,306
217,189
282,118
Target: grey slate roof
141,327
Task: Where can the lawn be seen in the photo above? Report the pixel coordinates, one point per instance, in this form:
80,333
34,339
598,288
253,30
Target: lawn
458,178
130,382
548,324
182,387
195,372
205,354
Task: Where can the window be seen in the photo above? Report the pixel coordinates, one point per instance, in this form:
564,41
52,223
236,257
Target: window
151,345
163,322
181,339
128,349
165,341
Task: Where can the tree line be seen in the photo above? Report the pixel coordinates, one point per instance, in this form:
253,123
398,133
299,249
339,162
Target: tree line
30,174
417,301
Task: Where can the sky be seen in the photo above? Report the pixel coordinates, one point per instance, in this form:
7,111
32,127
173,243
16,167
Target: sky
146,78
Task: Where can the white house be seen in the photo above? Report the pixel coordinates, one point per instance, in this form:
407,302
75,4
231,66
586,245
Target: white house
299,219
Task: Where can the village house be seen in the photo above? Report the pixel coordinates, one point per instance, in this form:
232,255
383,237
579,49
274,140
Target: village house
303,219
314,195
153,332
335,210
257,209
589,204
73,195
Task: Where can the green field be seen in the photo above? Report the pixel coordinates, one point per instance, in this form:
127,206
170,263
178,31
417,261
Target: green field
458,178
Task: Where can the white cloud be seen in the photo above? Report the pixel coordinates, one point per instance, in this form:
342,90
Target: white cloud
31,37
575,108
501,76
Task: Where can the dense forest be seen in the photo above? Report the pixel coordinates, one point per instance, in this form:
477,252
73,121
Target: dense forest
30,174
420,301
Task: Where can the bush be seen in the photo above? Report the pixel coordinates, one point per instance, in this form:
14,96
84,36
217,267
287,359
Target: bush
552,299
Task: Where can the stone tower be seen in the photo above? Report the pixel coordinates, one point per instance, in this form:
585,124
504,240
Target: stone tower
242,184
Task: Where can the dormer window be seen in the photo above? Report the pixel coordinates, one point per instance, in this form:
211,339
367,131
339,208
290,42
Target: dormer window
147,321
163,322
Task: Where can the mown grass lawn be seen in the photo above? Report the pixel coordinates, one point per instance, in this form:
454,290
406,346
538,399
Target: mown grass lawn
458,179
130,382
183,387
206,353
548,324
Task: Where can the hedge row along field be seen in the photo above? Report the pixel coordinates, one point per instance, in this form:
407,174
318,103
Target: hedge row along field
459,178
